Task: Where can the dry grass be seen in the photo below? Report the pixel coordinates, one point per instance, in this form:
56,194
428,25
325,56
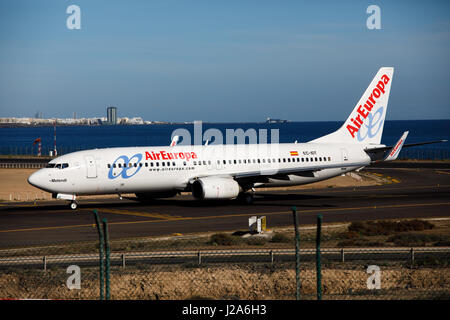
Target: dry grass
230,282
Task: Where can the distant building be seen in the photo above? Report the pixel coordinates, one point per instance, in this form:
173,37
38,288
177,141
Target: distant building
111,115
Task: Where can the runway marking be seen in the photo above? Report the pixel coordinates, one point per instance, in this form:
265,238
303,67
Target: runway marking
442,172
306,191
140,214
363,188
235,215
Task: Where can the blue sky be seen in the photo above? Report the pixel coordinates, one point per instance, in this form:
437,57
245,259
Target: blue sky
221,60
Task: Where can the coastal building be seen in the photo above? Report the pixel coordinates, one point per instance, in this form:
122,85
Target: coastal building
111,115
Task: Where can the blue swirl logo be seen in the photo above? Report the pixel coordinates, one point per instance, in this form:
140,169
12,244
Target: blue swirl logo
372,126
128,169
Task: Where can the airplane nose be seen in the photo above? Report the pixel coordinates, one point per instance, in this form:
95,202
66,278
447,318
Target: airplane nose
33,179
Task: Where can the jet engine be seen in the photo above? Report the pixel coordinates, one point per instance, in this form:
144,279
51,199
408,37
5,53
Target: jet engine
210,188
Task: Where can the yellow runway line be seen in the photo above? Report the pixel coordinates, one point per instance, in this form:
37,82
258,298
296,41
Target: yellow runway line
140,214
237,215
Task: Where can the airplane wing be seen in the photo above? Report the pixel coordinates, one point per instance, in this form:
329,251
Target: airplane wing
263,175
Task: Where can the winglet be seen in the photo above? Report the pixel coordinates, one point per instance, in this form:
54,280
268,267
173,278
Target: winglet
395,151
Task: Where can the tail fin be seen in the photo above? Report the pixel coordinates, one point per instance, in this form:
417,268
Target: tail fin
365,123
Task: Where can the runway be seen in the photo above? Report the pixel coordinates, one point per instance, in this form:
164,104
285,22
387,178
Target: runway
419,193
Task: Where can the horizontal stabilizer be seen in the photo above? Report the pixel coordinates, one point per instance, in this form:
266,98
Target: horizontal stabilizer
379,154
395,151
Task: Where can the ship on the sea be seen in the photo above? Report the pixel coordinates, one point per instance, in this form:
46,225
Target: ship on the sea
270,120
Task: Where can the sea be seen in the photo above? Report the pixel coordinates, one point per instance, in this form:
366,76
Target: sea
19,140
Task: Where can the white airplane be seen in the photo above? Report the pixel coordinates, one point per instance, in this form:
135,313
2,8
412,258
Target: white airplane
227,171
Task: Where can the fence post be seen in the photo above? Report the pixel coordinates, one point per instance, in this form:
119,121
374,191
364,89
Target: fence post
199,255
45,263
412,256
318,261
271,257
123,260
297,254
107,258
342,255
100,236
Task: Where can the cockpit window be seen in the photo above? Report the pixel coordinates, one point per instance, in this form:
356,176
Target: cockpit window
57,165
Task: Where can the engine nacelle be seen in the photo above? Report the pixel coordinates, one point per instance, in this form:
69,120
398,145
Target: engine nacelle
210,188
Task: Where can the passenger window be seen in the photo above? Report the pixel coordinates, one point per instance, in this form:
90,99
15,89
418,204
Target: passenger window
307,159
329,158
120,165
109,166
315,158
114,165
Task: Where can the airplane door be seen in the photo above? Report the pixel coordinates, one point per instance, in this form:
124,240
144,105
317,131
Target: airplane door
91,167
344,155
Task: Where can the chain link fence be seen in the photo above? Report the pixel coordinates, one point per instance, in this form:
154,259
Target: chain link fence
367,260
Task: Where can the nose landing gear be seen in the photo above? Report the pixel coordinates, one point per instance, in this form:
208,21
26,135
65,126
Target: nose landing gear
73,205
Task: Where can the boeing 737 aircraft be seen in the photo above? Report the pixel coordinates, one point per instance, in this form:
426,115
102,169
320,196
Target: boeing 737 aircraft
227,171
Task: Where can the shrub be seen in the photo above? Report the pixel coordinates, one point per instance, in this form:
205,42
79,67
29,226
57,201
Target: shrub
280,238
372,228
442,243
413,239
350,235
360,243
222,239
257,241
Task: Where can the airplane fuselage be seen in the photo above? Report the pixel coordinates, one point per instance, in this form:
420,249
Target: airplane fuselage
160,169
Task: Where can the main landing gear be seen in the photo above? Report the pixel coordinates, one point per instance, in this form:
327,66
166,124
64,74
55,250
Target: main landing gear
245,197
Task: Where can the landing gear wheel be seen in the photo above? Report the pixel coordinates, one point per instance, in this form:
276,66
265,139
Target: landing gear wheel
246,198
73,205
